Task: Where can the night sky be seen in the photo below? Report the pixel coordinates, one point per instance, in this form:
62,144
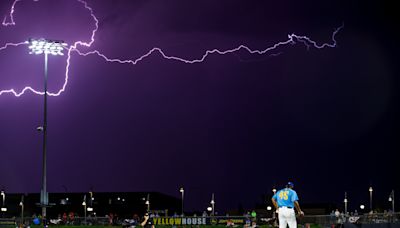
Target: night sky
236,124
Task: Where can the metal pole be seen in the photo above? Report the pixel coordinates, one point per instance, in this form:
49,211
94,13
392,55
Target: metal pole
22,210
212,204
370,198
3,194
84,207
3,205
345,203
393,201
44,196
370,201
148,203
183,192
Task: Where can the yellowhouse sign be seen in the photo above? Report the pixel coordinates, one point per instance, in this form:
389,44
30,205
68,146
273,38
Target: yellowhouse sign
180,221
171,221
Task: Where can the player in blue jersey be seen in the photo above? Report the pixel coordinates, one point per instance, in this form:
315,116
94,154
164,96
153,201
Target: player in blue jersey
285,200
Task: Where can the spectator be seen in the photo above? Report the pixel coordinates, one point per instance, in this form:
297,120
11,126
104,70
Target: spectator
64,218
337,215
147,222
332,217
229,223
110,219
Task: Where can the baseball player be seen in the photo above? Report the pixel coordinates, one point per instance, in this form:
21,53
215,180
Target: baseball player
285,200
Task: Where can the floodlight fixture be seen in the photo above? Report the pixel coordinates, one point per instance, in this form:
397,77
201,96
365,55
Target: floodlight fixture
40,46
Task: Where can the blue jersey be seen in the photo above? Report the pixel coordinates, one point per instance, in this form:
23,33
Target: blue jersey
286,197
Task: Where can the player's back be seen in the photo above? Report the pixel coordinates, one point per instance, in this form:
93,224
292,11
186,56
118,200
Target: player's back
286,197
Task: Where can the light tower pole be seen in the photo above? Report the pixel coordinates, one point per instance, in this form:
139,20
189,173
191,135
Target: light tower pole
148,202
182,195
370,198
391,199
46,47
345,203
21,203
84,207
212,205
3,202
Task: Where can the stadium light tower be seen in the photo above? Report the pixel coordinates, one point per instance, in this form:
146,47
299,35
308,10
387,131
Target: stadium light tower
370,198
391,199
21,204
84,207
147,202
345,203
182,191
212,204
3,196
3,204
46,47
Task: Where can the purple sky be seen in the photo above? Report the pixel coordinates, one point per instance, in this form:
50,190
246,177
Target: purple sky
236,124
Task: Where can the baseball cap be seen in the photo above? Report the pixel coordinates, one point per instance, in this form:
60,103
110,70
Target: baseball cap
290,184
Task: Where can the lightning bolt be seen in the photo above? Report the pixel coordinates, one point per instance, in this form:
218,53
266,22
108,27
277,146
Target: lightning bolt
292,39
5,23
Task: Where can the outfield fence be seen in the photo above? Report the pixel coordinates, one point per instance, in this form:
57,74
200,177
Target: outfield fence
382,220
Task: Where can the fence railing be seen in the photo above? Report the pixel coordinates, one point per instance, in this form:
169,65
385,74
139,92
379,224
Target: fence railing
329,220
357,219
232,221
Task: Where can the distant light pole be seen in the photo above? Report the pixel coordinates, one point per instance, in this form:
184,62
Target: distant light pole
148,203
212,204
345,203
3,202
370,198
46,47
274,212
3,195
182,191
21,203
84,207
391,199
91,199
